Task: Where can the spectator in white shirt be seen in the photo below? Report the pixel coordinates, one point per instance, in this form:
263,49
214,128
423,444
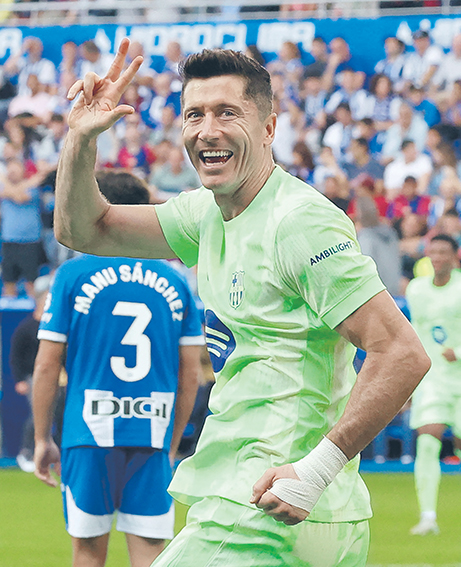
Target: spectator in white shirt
450,69
338,136
30,61
392,65
421,65
93,61
410,163
409,126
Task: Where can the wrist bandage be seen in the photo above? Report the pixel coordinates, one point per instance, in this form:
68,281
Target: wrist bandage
316,471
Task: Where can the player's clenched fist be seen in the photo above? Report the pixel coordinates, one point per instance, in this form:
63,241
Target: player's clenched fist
96,109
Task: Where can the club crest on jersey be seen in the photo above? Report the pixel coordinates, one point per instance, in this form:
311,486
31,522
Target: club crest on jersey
237,289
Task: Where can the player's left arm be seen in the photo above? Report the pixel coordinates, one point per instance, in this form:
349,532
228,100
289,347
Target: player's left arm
188,380
395,364
45,387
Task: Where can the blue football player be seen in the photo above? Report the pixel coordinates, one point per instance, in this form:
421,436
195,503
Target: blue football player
132,337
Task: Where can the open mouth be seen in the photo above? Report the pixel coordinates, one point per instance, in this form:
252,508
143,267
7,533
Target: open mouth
210,157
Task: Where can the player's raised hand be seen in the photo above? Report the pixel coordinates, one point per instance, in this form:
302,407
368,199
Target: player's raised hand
47,454
271,504
96,109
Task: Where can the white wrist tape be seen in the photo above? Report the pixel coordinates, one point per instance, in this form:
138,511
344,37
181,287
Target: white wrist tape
316,471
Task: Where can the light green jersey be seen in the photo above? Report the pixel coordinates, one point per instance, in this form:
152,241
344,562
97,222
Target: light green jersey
275,280
436,316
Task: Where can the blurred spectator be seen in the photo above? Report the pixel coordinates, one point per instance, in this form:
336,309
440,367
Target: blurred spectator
93,60
70,60
30,61
449,223
382,105
449,197
20,140
337,192
36,101
350,91
422,64
135,155
408,201
450,69
168,129
421,103
22,250
302,165
409,126
144,78
450,105
172,58
173,177
412,230
338,136
340,58
7,93
392,64
313,102
443,159
380,242
364,186
287,133
288,63
366,128
410,163
319,54
362,163
163,96
48,148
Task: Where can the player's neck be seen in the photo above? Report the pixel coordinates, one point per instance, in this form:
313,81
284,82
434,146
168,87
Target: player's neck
441,279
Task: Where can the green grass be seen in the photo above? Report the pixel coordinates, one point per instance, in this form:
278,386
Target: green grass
32,532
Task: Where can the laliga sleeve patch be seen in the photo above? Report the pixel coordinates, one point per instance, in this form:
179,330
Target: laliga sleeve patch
220,341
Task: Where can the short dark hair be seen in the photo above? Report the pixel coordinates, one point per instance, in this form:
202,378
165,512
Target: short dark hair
362,142
410,179
122,188
219,62
406,143
446,238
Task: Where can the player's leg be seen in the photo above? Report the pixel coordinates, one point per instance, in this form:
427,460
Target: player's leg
427,476
456,428
89,552
143,550
220,532
89,485
146,511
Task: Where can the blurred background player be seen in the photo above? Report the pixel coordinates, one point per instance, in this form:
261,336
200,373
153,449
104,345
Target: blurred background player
436,404
133,336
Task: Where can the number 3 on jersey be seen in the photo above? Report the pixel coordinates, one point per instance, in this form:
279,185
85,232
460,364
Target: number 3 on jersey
135,337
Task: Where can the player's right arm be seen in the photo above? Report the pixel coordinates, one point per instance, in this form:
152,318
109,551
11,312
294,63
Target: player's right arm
45,386
83,219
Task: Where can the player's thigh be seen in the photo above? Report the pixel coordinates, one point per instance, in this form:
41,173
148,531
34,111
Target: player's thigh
89,486
219,532
146,509
432,407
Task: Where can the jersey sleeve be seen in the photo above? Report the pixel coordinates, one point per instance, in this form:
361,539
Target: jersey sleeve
55,321
180,219
319,258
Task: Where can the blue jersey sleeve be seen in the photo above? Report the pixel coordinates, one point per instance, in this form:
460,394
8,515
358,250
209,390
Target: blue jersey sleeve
55,321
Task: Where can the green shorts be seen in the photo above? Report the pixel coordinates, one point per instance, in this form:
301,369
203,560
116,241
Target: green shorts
432,405
221,533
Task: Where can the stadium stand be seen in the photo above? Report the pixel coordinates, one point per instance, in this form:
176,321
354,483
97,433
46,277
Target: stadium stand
375,129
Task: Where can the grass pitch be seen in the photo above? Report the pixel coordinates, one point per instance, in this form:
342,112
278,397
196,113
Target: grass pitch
32,532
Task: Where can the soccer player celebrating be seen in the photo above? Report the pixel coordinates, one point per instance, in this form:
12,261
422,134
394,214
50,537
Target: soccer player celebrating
132,333
436,315
286,292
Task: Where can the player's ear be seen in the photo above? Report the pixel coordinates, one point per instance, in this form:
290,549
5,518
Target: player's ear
269,126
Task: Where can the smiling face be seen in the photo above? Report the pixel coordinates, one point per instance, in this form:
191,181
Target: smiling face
225,136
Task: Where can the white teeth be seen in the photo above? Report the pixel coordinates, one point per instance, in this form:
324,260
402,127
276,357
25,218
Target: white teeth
212,154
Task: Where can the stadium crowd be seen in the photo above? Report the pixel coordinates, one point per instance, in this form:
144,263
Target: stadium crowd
385,148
